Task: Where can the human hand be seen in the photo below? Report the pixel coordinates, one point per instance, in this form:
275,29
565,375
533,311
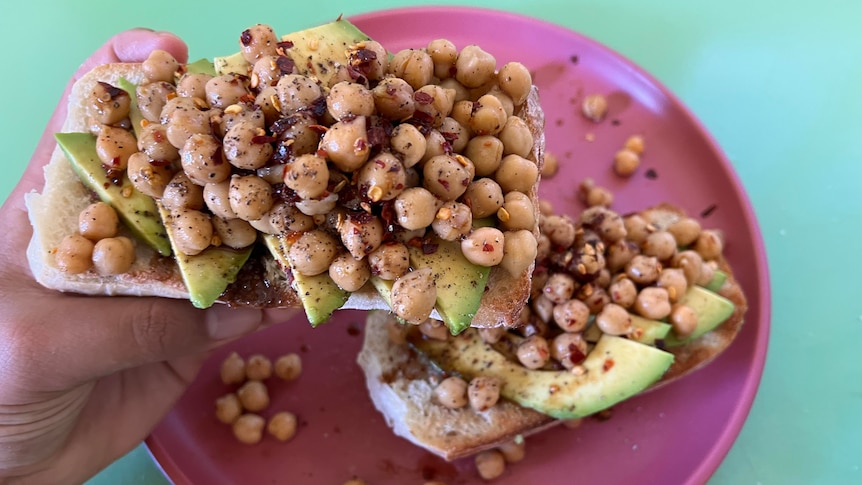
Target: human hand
85,379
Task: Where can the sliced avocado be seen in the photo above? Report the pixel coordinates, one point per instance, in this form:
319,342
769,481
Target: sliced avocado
320,295
138,211
616,369
208,273
460,283
234,63
646,331
320,51
201,66
135,116
717,282
383,287
711,308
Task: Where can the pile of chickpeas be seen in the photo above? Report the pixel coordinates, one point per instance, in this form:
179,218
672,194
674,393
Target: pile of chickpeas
242,408
96,244
388,153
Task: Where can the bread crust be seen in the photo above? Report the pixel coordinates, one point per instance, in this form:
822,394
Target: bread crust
53,215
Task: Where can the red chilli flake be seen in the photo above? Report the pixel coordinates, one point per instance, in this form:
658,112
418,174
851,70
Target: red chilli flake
575,355
423,98
263,139
444,183
286,44
245,37
608,365
429,247
488,248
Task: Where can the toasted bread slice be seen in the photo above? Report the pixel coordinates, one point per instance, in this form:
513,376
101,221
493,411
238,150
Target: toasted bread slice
261,283
400,381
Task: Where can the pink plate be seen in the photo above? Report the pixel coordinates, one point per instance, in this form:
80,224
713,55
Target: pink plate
678,434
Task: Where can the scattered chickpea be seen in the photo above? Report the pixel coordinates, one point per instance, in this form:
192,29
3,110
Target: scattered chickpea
599,196
533,352
573,423
434,329
595,107
626,162
228,408
546,208
233,369
356,481
514,451
258,368
452,392
483,392
254,396
635,143
282,425
248,428
490,464
551,166
288,367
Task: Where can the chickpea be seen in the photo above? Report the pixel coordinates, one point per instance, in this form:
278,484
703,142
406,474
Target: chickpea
543,247
113,255
346,144
393,98
490,464
595,107
518,140
296,92
685,231
517,212
653,303
474,67
623,292
408,144
248,428
183,121
435,145
691,263
643,270
463,107
660,244
560,230
673,280
484,246
98,221
626,162
225,90
619,253
415,208
484,197
559,288
607,223
74,254
434,329
153,141
707,273
193,231
443,54
258,41
683,320
513,451
486,152
254,396
599,196
383,177
228,408
361,233
483,392
371,58
515,80
572,315
457,134
533,352
193,85
453,220
258,367
635,143
152,98
282,426
614,320
492,335
201,158
488,116
108,104
390,261
452,392
569,349
517,173
447,176
160,66
114,146
348,99
637,228
519,251
604,278
356,481
313,252
573,423
543,308
412,65
414,295
348,273
710,244
250,196
288,367
242,148
233,369
596,298
234,233
307,175
434,102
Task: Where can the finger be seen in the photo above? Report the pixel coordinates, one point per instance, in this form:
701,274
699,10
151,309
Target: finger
129,46
90,337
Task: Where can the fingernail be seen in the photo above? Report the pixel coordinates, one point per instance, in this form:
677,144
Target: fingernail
224,322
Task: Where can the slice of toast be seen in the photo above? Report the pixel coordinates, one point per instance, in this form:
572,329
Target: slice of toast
401,381
261,283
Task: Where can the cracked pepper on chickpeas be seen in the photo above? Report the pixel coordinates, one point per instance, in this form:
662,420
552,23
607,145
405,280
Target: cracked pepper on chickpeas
388,152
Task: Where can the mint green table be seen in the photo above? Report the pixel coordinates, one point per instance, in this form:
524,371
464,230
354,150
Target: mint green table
778,83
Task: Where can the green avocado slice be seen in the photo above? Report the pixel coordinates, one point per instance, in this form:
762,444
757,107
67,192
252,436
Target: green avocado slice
711,308
717,282
138,211
320,295
135,116
616,369
207,274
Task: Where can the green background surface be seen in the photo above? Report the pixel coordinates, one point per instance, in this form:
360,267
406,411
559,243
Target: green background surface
776,82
